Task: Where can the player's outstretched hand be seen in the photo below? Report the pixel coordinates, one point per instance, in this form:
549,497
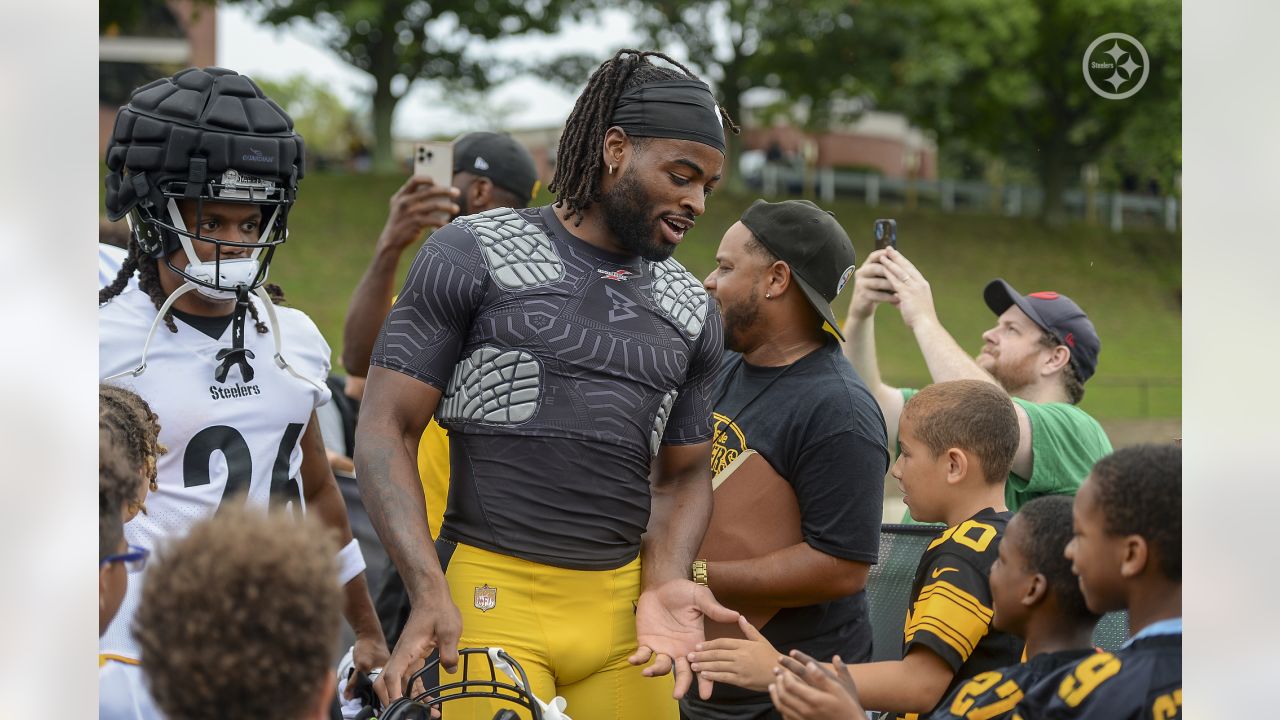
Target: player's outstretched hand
914,297
418,206
805,690
432,625
745,663
669,626
870,287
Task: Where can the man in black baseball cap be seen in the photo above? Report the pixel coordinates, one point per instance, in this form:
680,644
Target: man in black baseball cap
785,392
1041,351
813,245
499,159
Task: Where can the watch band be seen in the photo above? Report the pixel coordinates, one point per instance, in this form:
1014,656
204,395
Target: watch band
699,568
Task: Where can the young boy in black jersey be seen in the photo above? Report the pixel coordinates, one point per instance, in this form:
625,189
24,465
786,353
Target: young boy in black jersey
1127,552
1036,597
957,441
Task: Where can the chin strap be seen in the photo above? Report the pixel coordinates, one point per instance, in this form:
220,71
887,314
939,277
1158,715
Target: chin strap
237,354
278,339
187,287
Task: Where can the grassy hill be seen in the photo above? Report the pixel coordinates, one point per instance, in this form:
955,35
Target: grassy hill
1130,283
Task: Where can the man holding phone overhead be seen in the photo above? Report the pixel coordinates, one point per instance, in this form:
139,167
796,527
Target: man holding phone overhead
1041,351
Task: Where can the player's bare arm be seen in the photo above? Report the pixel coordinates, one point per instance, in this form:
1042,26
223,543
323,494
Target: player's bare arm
324,499
395,410
681,486
671,607
794,576
417,207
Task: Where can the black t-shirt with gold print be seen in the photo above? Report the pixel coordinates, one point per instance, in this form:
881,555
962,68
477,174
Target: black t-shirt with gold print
818,425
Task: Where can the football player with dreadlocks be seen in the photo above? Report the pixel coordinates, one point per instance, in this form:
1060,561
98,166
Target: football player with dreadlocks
205,168
567,353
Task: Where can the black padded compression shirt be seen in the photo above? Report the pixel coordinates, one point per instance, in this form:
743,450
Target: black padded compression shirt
563,368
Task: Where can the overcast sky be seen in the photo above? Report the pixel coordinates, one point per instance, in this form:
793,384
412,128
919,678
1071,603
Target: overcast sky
262,51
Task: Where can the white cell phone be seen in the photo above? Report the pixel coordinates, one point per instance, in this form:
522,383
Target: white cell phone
434,160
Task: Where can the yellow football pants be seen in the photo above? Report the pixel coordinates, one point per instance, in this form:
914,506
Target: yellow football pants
571,631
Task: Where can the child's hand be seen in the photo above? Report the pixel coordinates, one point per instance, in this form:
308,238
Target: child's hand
805,690
746,663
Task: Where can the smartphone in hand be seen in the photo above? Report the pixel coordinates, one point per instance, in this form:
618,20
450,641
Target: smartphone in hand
886,233
434,160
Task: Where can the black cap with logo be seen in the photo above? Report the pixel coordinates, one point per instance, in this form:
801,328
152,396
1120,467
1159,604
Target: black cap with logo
812,243
1056,314
500,158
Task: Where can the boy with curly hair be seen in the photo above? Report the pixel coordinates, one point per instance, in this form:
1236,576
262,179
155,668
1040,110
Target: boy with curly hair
240,618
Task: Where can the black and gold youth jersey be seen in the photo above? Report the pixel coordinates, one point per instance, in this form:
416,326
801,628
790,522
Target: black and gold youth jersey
950,611
1143,680
992,695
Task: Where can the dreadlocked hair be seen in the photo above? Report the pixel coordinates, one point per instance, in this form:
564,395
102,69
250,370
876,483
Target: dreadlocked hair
578,163
148,271
133,428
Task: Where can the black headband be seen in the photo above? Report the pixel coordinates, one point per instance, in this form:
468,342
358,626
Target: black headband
679,109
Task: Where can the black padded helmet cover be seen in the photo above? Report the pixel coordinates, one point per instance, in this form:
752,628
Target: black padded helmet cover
187,131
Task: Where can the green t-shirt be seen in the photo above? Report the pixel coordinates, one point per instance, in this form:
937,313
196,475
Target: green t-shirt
1065,443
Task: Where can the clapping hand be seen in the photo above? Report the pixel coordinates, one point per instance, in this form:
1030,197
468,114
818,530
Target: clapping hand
805,690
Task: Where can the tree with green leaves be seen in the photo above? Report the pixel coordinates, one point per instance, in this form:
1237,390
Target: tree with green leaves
400,41
719,38
1005,77
811,52
999,81
329,127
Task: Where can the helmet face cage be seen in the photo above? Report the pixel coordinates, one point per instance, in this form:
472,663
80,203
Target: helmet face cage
496,686
270,196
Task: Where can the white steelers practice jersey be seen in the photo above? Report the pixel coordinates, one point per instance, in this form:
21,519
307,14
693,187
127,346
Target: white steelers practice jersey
224,438
122,693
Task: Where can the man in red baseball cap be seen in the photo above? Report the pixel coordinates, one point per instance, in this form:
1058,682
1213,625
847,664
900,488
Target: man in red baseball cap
1041,351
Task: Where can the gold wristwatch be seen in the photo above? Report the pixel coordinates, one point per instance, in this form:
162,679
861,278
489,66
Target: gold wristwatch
699,568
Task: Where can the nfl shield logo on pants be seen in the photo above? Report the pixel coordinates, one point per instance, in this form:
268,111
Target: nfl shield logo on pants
486,598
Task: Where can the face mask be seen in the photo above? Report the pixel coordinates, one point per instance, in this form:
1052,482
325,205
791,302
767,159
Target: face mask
216,281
